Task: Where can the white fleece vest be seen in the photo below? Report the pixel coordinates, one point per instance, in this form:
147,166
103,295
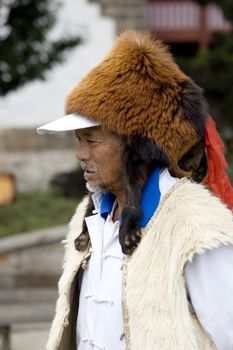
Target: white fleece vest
188,221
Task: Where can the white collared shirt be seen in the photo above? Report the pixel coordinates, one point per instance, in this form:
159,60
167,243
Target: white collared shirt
100,321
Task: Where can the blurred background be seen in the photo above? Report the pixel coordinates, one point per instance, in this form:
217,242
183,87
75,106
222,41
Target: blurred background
46,47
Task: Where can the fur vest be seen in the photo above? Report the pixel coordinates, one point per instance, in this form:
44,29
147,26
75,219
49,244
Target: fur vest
188,221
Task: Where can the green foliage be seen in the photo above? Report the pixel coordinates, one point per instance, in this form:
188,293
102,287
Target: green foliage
212,69
230,171
35,210
225,5
26,51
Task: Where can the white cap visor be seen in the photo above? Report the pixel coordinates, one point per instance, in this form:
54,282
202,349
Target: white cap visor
69,122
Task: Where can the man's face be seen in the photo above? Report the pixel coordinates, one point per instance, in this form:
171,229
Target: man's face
100,156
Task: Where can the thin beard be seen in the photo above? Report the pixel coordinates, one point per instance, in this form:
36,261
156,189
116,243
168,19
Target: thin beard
99,188
93,189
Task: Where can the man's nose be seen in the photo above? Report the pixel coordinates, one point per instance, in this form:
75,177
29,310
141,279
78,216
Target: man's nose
82,152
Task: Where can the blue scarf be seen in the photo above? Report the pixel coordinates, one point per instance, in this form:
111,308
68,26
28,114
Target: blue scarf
149,200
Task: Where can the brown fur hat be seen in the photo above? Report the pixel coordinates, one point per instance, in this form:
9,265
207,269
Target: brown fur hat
138,89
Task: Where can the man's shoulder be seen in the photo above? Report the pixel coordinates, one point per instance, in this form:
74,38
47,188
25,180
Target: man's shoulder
193,207
196,194
75,225
80,210
74,229
188,196
196,217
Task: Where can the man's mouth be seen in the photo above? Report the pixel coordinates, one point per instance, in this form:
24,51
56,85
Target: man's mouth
88,170
88,173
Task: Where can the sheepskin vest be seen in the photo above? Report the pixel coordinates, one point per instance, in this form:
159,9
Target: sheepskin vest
188,221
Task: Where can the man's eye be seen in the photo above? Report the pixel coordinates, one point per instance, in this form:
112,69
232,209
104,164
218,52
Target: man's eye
90,141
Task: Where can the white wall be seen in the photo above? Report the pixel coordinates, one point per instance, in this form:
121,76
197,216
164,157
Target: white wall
41,101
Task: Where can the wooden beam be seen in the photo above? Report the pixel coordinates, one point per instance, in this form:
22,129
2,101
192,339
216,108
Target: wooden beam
179,36
204,37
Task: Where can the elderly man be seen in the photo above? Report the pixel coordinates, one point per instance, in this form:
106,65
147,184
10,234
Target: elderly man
148,261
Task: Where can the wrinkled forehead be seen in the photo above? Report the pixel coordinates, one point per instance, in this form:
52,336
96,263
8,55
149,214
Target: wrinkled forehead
97,132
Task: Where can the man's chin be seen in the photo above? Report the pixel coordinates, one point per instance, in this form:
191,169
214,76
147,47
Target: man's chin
93,188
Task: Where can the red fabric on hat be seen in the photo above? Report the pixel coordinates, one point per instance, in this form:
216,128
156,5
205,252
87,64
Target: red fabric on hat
217,179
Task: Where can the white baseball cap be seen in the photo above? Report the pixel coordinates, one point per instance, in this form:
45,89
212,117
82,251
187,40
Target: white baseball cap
69,122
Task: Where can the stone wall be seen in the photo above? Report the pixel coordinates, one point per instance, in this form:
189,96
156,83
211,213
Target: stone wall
30,266
34,159
32,258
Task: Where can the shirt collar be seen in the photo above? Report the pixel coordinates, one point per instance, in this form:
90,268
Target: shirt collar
150,197
149,200
106,205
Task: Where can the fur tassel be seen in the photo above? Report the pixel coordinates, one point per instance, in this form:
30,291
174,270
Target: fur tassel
217,179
